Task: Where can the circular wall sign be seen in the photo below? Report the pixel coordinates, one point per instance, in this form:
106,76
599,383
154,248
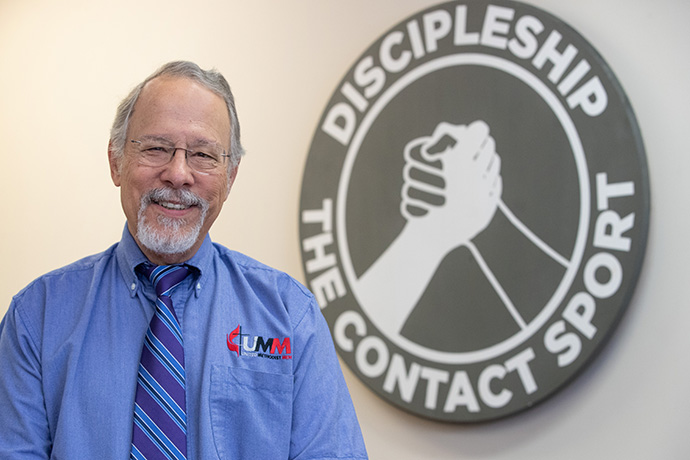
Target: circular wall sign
474,210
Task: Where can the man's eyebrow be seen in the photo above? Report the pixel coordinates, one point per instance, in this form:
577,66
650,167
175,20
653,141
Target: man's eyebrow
198,142
154,138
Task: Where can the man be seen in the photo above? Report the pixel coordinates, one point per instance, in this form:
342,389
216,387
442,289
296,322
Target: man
230,360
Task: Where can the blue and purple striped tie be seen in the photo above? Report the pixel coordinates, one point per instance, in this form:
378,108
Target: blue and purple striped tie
160,416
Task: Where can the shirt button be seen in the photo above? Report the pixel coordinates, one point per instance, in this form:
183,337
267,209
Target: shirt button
198,286
133,286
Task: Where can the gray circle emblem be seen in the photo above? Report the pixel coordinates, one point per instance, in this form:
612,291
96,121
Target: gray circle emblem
474,210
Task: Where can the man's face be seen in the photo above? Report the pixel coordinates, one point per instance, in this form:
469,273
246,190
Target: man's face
173,206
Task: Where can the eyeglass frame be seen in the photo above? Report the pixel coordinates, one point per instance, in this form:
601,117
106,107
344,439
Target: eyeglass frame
186,156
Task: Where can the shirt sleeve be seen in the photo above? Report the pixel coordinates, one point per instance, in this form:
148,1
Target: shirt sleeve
324,421
23,422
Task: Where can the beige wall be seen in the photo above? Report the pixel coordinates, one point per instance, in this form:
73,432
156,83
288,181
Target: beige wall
65,65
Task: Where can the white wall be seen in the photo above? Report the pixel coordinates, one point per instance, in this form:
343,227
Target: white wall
65,65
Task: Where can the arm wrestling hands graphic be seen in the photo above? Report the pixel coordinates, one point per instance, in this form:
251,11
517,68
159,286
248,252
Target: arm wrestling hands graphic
451,191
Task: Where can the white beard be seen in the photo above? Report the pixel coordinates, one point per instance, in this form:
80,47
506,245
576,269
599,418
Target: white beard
170,236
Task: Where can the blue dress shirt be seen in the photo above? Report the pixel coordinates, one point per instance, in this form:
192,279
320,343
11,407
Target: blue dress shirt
263,380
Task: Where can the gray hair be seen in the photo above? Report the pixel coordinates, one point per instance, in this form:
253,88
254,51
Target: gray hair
210,79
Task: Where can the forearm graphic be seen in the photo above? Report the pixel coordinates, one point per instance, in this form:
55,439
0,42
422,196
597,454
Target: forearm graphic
452,188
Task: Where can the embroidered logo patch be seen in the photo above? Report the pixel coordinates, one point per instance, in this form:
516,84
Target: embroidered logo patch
258,346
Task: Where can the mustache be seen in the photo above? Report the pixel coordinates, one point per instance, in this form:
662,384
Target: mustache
184,197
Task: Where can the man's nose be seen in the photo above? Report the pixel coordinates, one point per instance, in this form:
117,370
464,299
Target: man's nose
178,173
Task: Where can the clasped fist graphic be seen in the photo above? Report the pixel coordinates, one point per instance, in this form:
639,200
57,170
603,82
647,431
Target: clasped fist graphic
452,182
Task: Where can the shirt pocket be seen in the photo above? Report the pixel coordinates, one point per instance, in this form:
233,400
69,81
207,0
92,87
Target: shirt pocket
251,413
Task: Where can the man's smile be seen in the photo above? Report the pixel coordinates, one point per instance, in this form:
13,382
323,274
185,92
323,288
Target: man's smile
174,206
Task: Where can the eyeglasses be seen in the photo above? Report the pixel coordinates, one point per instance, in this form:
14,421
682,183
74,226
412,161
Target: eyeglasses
156,153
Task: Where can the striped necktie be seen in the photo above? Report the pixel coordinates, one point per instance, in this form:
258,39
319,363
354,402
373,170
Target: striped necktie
160,418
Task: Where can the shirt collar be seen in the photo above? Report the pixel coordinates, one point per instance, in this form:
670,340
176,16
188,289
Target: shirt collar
129,256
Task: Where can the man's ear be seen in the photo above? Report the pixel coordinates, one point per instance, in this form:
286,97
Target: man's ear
115,162
231,179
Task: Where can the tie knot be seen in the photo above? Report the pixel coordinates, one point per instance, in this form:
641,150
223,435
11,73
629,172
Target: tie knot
165,277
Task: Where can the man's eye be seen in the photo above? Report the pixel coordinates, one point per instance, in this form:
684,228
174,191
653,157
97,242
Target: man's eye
204,156
156,149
